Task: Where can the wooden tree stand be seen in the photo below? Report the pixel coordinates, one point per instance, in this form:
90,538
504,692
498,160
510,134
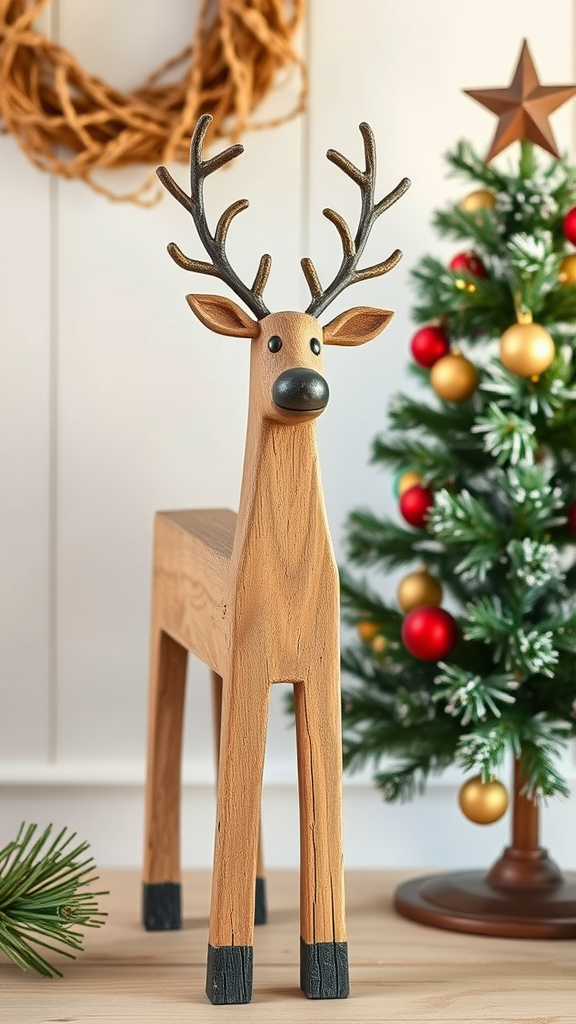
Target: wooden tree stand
523,896
256,598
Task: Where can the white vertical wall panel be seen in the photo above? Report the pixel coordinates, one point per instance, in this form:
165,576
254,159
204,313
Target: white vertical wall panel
25,358
152,407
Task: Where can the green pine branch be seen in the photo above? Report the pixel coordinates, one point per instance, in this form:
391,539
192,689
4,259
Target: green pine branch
408,778
434,462
375,541
465,162
470,307
417,751
478,228
408,413
46,895
558,310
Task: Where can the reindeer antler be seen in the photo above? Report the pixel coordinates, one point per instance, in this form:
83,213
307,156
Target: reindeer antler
215,245
354,247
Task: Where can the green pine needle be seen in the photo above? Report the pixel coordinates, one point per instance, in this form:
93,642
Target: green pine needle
45,897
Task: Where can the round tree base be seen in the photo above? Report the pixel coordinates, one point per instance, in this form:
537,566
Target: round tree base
465,901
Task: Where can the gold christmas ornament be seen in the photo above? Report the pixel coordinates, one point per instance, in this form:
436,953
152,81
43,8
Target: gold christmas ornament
526,349
480,199
454,378
483,802
418,588
407,480
567,272
379,644
367,630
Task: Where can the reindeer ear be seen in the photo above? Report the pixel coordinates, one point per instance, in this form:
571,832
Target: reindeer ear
223,316
357,325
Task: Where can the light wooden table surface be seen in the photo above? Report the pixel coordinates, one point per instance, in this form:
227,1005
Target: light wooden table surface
400,971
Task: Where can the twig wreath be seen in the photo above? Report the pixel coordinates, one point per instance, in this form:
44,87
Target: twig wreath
71,123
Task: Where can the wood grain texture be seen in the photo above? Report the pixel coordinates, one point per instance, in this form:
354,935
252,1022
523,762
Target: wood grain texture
400,971
256,598
162,809
191,565
260,909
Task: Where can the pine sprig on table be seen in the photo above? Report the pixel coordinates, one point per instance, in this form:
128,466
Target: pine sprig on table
46,895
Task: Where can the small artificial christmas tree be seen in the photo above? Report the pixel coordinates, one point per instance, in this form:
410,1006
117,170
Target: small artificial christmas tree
486,476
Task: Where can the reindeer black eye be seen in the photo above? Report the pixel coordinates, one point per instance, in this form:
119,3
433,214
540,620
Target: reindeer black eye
315,346
275,343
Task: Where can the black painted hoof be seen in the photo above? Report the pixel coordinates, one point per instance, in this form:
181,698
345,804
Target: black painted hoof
161,906
229,974
324,970
260,909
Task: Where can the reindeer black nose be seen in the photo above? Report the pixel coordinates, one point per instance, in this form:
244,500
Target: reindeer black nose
300,390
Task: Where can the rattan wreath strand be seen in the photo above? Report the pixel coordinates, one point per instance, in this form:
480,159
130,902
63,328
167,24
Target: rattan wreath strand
71,123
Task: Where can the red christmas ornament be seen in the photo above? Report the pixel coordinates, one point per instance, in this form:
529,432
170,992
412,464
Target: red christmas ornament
571,516
429,633
415,504
469,263
569,225
428,345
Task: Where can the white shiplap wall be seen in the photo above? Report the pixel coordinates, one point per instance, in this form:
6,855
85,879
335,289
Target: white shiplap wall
115,402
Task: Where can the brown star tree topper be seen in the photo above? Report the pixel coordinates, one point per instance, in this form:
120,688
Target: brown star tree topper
523,108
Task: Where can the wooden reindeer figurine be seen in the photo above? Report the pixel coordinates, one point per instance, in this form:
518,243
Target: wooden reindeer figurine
256,598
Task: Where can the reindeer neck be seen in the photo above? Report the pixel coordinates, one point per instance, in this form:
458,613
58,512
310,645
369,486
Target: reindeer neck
281,492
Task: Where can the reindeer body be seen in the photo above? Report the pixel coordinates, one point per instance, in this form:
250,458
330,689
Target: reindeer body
256,598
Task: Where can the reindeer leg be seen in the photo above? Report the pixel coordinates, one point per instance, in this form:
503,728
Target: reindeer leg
161,887
260,905
245,701
323,946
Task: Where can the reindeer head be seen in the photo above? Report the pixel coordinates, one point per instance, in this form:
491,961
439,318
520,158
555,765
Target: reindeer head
286,347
